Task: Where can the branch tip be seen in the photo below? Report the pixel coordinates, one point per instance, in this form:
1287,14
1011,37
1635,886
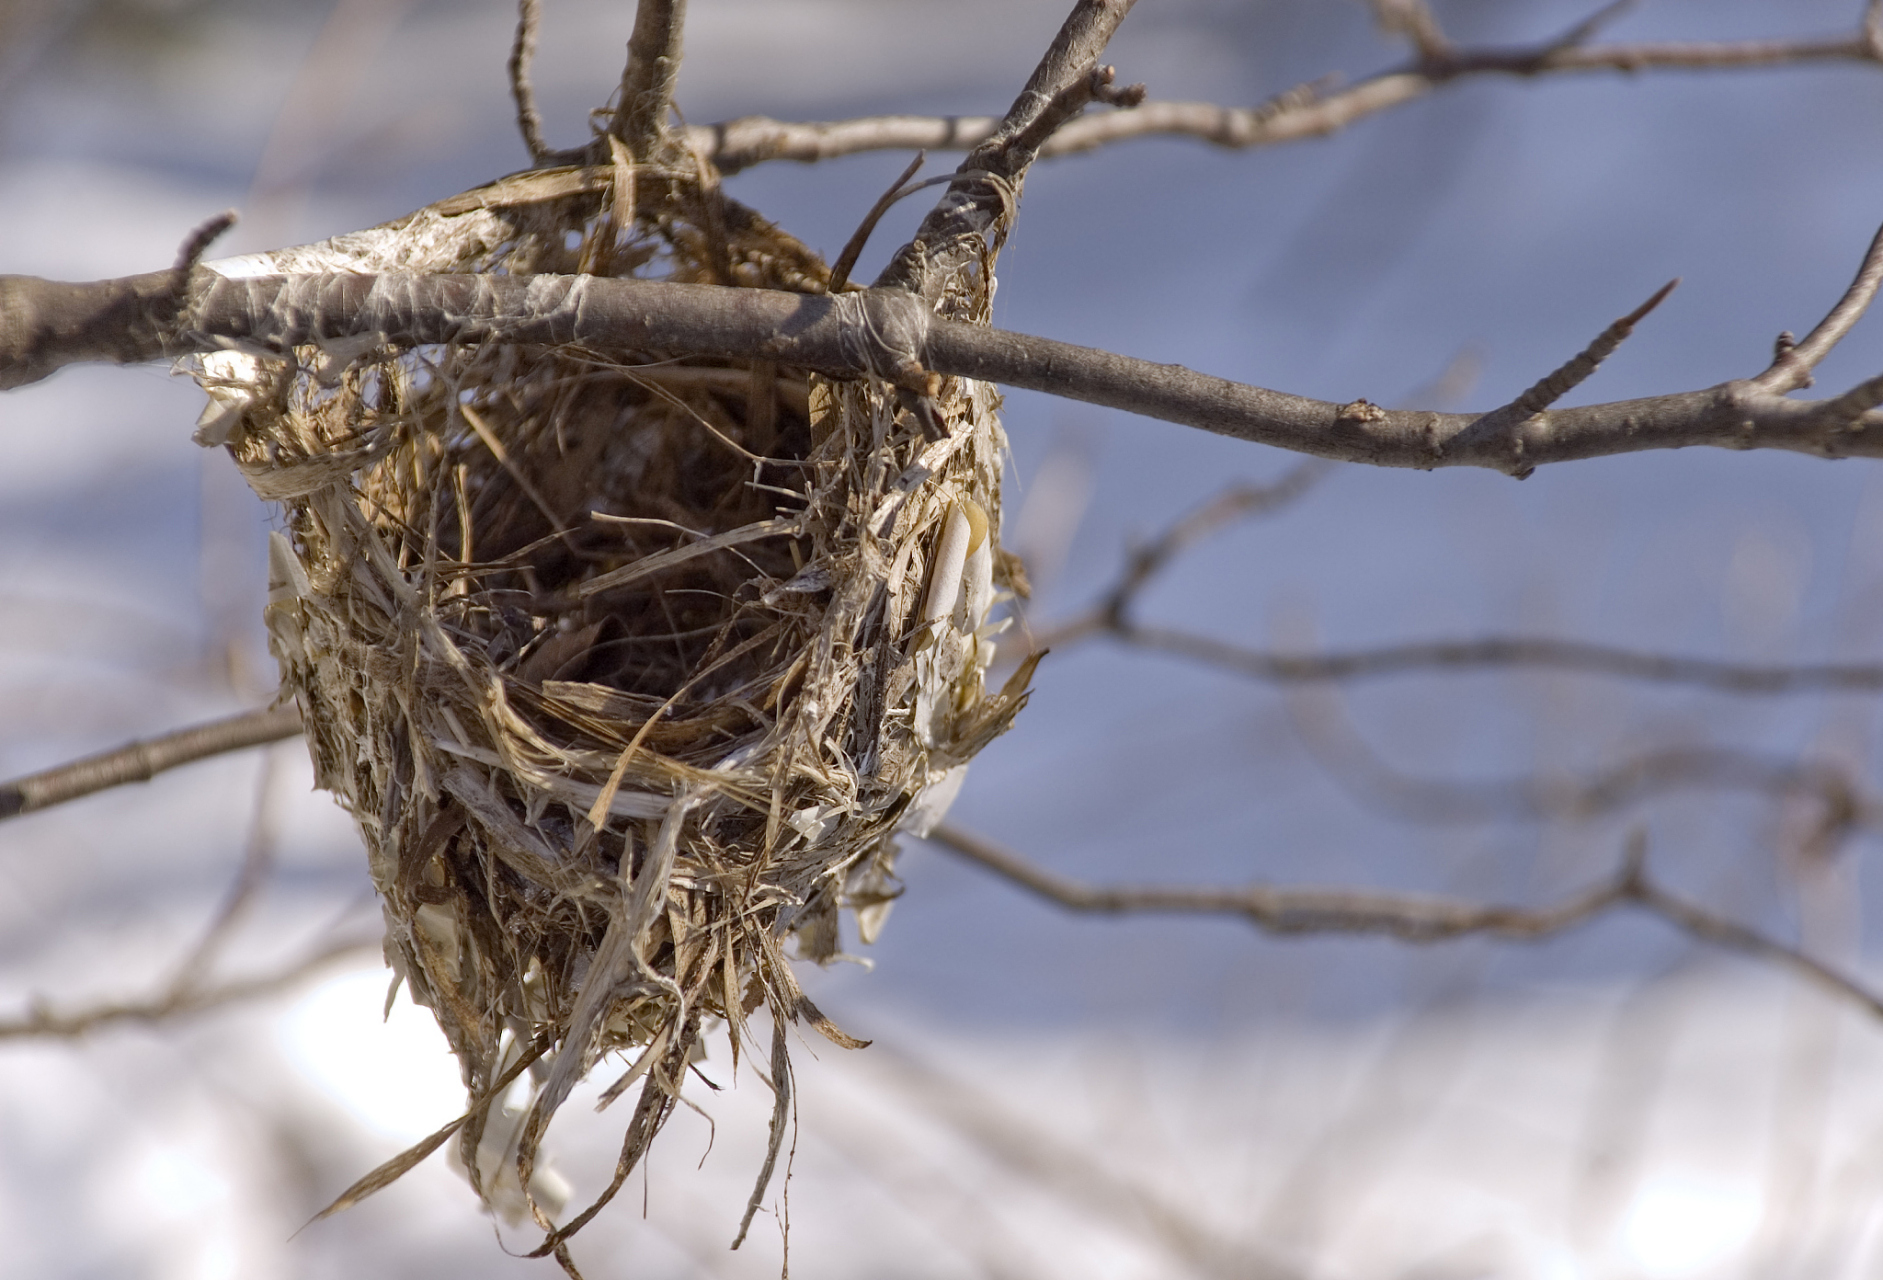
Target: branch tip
1560,383
1793,361
522,53
199,240
1591,26
853,248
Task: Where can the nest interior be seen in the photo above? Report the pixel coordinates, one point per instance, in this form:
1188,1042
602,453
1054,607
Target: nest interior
627,667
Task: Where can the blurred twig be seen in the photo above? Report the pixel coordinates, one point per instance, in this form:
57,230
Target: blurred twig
187,990
41,1021
1113,616
1407,917
257,861
1575,797
1075,1172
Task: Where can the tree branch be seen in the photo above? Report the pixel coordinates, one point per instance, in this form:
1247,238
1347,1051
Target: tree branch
1113,616
1574,797
45,325
522,52
986,191
1571,374
1491,652
640,119
141,761
1308,111
42,1022
1793,362
1409,918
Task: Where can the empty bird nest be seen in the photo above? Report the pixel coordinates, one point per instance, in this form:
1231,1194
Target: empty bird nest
626,666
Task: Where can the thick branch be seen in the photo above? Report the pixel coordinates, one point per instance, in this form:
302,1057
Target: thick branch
1406,917
1309,111
141,761
45,325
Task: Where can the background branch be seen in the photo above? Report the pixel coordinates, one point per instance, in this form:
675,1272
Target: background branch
41,1021
1406,917
1113,616
140,761
1311,110
1489,652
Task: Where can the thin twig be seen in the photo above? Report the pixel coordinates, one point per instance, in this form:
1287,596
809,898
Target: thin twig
647,82
1509,651
199,240
258,859
853,248
41,1021
1113,616
1145,562
1591,26
1414,20
140,761
1409,918
1568,796
522,53
1290,117
1566,378
1791,368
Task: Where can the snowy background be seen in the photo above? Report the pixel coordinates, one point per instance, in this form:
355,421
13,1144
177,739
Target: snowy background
1046,1095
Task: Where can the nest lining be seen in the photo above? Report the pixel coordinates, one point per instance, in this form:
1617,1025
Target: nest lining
626,667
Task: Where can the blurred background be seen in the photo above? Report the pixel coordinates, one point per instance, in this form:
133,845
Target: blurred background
1047,1094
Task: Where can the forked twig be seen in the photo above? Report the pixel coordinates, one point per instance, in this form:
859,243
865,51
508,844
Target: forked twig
1145,562
1113,616
51,324
1409,918
1414,20
986,187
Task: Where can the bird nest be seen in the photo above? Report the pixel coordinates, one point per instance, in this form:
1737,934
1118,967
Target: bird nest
626,666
